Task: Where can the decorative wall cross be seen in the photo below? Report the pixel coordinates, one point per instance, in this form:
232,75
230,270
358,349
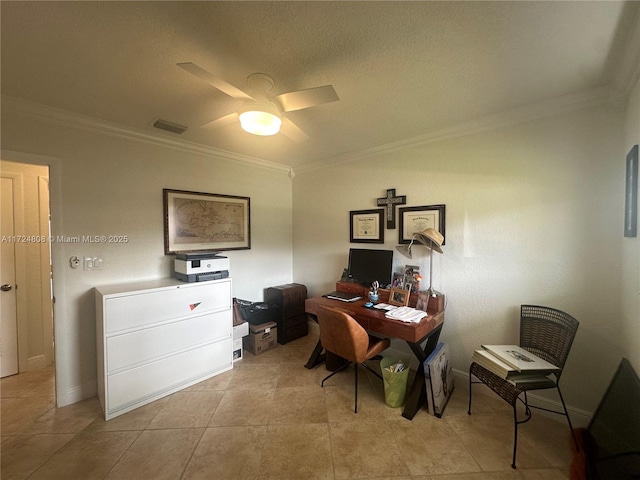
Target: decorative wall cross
390,202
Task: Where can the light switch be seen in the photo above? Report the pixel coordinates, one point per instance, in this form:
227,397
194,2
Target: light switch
93,263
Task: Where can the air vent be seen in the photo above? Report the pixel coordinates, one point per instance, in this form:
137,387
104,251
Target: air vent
169,127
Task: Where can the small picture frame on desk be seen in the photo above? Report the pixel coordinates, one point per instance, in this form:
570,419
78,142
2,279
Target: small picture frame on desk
423,301
398,280
399,297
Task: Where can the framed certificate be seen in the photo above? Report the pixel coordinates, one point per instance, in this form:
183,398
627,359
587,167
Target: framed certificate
418,219
366,226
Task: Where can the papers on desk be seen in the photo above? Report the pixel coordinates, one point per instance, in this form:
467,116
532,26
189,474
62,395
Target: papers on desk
406,314
384,306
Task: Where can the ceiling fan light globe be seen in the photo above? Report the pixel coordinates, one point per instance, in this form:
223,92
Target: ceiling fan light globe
260,123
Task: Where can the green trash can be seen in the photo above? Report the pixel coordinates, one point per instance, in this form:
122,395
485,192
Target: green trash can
395,382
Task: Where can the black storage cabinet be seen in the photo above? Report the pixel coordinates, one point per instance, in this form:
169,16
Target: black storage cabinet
292,322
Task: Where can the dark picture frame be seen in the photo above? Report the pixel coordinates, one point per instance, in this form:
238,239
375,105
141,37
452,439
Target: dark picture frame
366,226
631,194
205,222
399,297
418,219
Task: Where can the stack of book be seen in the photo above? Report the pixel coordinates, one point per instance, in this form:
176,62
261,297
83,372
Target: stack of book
513,363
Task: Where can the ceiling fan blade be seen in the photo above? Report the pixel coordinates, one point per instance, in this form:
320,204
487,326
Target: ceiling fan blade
306,98
222,121
211,79
291,130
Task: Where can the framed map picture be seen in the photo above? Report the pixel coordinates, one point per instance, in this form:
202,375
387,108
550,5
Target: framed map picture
199,222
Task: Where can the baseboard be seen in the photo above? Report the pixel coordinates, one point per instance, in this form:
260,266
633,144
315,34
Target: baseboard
76,394
37,362
314,328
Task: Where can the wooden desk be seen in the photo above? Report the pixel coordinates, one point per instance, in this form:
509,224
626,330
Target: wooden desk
422,339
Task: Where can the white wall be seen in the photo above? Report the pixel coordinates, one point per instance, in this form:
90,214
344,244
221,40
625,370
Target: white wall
533,215
108,185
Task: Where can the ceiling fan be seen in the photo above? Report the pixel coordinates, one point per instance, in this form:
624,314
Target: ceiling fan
261,113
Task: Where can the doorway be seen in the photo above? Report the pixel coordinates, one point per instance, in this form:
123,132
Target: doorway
26,334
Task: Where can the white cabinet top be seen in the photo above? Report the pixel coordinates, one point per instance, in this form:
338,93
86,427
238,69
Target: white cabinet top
157,284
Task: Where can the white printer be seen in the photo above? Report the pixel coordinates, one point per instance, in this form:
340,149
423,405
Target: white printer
201,266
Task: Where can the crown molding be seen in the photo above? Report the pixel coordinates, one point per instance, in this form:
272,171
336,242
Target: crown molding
604,95
76,121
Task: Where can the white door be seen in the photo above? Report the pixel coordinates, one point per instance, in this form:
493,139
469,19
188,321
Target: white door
8,318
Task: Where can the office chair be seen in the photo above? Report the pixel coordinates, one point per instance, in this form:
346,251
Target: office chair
547,333
342,335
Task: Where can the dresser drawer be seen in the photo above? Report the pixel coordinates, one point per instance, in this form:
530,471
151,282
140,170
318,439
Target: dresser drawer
292,328
146,383
290,297
127,312
132,349
350,287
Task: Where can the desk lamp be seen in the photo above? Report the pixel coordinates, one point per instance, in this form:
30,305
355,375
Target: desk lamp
432,239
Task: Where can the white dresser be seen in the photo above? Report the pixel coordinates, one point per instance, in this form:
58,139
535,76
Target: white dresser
155,338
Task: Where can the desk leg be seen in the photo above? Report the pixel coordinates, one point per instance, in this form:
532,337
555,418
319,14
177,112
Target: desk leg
417,394
317,357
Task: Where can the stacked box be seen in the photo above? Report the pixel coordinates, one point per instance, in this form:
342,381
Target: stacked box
239,331
237,349
261,338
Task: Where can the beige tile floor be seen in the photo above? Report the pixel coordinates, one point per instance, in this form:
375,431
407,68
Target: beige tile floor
268,418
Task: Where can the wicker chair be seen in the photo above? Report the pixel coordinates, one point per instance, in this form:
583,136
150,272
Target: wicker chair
547,333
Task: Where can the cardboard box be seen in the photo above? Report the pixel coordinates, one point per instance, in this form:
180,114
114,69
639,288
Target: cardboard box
261,338
237,349
241,330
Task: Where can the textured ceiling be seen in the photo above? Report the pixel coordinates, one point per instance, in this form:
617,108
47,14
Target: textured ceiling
401,69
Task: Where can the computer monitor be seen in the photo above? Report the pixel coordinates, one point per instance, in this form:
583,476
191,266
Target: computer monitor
367,266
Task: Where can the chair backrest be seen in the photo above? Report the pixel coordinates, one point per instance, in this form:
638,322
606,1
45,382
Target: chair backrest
547,333
342,334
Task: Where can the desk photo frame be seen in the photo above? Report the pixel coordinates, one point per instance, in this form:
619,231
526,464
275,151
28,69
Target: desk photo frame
399,297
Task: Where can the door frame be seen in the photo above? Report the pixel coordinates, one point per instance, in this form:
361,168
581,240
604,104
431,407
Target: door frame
63,363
